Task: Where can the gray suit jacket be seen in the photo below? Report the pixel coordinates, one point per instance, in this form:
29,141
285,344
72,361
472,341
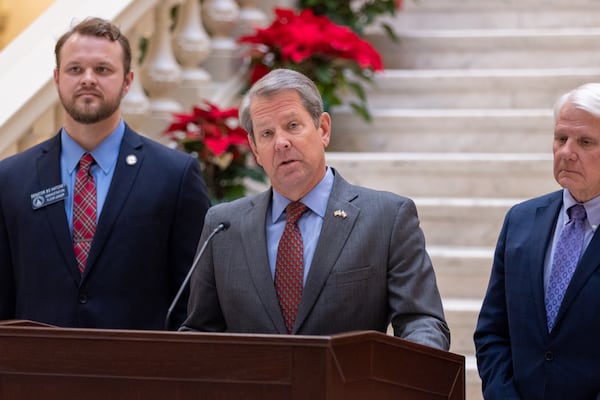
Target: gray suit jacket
369,269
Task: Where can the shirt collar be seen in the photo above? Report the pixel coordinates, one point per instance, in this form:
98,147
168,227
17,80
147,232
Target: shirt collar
315,200
105,154
592,208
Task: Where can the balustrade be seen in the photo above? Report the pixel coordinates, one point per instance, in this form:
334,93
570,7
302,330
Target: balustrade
189,57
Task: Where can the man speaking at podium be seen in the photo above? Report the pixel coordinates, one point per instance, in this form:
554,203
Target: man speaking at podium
314,255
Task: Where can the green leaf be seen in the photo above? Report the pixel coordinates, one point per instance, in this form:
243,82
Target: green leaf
390,32
362,110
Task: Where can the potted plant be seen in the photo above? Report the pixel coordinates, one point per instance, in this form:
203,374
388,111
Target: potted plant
355,14
335,57
215,137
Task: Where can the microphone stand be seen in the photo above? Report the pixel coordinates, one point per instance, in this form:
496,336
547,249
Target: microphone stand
221,227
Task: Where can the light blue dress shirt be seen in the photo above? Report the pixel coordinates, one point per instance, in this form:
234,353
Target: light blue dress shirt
105,156
310,223
592,210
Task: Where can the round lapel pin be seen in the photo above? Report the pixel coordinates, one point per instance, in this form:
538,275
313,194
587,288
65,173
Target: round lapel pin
131,159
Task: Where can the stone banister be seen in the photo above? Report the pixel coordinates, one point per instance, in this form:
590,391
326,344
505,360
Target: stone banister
181,66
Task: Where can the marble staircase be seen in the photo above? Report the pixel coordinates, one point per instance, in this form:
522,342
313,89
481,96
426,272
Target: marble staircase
463,125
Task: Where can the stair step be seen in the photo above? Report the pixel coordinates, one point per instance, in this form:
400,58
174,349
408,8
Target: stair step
462,319
472,380
463,124
480,175
491,14
444,130
461,272
475,88
483,48
462,222
461,316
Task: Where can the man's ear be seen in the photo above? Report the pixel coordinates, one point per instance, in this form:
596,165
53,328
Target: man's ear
254,149
325,128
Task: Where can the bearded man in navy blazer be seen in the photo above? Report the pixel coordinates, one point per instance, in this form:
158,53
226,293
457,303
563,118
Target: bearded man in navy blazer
364,265
528,346
150,204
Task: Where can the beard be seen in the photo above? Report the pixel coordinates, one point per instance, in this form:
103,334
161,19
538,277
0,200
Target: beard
88,113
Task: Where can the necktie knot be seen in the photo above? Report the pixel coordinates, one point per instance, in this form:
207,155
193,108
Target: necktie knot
86,162
294,211
577,212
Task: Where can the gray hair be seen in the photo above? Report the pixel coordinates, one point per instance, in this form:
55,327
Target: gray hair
585,97
275,82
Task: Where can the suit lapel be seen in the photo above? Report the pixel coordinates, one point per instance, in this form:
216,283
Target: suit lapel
123,180
333,236
48,169
540,239
254,243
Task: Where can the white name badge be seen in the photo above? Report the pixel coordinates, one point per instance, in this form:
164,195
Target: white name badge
48,196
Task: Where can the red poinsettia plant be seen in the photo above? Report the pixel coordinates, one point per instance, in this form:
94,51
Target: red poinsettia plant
333,56
356,15
216,138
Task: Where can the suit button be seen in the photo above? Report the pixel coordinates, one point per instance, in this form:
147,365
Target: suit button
83,299
549,356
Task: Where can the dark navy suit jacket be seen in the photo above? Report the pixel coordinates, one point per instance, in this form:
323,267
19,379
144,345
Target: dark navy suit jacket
144,244
516,356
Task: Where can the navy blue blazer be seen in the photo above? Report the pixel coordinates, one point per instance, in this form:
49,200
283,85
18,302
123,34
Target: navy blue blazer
144,244
517,357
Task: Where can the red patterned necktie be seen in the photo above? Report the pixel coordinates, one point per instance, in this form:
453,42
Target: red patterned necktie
84,211
289,267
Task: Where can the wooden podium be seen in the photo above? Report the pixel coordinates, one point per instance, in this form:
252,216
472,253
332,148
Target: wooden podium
41,362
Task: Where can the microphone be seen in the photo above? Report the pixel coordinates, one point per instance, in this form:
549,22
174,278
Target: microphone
221,227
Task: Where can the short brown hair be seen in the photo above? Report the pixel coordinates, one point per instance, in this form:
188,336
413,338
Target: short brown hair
100,28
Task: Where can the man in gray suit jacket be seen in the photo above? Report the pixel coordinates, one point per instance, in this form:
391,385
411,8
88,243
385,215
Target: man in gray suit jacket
364,259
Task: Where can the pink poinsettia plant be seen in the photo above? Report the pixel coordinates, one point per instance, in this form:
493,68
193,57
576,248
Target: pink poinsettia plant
333,56
216,138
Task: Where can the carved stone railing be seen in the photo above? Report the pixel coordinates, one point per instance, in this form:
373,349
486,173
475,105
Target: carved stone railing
188,59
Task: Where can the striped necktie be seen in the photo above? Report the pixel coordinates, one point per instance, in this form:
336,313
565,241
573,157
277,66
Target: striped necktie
84,211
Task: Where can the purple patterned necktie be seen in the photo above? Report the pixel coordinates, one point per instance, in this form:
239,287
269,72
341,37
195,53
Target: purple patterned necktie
289,266
566,256
84,211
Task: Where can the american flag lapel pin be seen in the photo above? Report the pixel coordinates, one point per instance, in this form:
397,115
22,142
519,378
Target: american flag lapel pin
340,213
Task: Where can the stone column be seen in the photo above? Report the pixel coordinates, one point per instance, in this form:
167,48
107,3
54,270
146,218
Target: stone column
161,74
220,18
192,46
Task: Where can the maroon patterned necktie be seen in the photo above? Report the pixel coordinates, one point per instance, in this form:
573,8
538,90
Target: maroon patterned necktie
289,266
84,211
